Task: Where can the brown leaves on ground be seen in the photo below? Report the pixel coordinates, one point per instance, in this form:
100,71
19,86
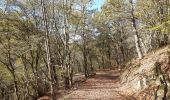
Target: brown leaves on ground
103,86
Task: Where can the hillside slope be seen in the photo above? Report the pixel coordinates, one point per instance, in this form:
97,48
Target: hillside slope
148,78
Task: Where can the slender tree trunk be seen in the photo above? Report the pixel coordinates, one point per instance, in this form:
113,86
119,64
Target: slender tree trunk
136,35
85,62
48,56
85,56
123,54
84,42
109,55
15,85
103,60
26,91
12,69
67,53
55,77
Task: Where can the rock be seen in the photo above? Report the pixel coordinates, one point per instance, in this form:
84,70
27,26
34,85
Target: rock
151,71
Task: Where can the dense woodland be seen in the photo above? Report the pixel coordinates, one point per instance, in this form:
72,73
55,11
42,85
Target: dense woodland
43,43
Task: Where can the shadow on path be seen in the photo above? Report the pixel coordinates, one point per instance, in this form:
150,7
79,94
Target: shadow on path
102,86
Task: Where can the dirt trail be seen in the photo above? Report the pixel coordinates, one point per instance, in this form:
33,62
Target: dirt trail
103,86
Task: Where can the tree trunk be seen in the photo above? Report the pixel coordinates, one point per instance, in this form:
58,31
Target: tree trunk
15,86
48,56
136,35
85,60
84,42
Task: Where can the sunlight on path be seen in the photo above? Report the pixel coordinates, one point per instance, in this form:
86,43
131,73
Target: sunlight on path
103,86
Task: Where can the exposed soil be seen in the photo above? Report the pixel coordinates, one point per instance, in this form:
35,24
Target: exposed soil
103,86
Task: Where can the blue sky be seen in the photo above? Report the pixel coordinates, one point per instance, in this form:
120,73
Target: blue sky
98,3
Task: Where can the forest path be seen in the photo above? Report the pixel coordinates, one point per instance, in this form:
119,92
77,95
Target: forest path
103,86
